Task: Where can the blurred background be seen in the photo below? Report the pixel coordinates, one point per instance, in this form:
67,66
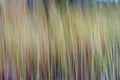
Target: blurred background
59,40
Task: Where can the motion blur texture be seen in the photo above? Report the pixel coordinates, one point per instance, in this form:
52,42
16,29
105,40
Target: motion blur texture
59,40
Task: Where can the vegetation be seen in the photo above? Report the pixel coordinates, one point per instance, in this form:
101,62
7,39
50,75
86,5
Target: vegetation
71,45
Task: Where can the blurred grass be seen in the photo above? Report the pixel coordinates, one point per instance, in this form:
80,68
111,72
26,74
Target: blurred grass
71,44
